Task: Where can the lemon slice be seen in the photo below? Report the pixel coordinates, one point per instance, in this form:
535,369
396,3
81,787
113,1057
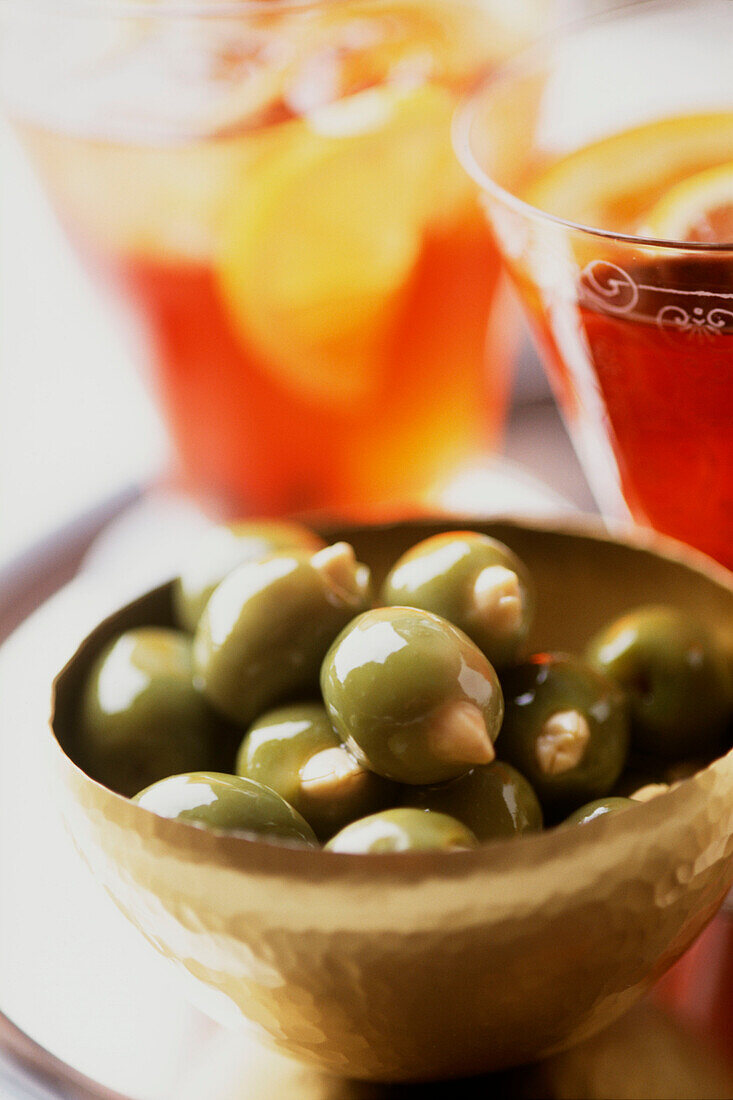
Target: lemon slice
610,183
697,209
326,230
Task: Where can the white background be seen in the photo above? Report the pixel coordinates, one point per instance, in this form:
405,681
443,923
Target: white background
75,420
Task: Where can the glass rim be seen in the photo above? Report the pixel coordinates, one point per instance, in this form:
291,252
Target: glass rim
466,115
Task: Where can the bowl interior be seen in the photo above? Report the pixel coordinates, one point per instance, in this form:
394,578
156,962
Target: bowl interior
583,578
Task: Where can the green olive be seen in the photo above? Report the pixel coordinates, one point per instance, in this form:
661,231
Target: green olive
412,696
141,715
403,830
493,800
227,802
598,808
268,625
296,751
676,676
473,581
221,550
566,729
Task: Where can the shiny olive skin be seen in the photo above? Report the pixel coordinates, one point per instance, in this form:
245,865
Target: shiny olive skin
403,830
276,751
221,550
440,575
227,802
600,807
676,676
412,696
141,716
494,801
267,627
547,696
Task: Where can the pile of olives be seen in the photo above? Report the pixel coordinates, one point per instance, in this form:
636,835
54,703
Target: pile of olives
294,704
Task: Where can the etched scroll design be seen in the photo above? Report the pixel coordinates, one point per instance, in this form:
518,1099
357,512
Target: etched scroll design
700,314
705,324
609,286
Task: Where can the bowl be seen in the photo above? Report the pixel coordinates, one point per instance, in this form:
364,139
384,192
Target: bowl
421,966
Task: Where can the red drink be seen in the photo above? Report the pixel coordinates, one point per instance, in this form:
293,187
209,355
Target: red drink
637,330
275,195
259,440
664,369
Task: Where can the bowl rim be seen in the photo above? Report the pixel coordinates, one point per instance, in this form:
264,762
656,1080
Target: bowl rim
253,854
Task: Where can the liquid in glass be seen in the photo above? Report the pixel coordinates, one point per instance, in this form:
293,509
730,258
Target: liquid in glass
276,197
651,356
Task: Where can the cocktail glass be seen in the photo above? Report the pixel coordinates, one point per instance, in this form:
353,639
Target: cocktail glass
605,157
271,189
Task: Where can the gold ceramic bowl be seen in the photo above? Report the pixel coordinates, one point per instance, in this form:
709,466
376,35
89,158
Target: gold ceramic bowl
425,965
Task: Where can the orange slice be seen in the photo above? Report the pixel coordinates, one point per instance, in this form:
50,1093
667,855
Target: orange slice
699,208
326,230
611,183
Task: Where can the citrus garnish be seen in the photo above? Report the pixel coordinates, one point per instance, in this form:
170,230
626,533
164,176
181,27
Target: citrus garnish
699,208
325,231
611,183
